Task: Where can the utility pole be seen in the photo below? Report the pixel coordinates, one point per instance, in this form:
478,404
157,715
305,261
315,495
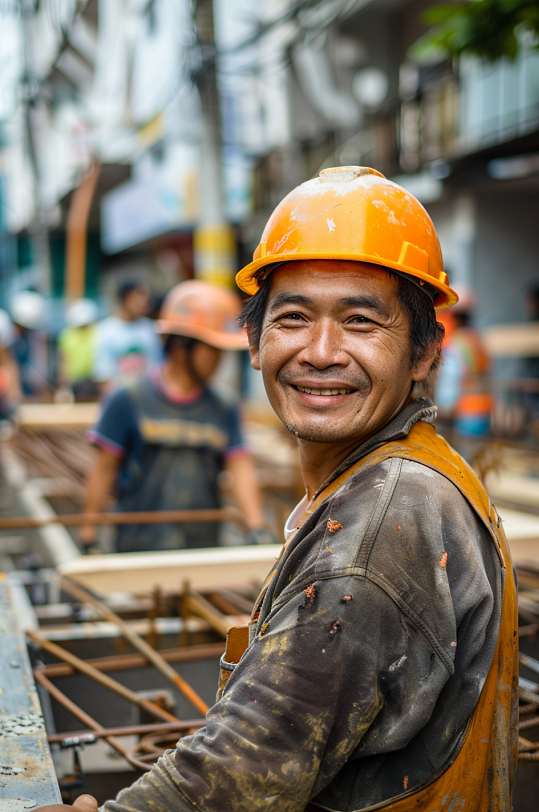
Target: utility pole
214,239
31,97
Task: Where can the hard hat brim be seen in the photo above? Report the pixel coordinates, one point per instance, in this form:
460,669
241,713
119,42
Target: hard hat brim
219,340
247,283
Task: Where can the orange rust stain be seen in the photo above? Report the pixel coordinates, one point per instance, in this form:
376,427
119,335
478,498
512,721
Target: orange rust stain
443,560
310,592
333,525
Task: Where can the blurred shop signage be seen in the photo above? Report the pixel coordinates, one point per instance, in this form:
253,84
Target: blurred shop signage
148,205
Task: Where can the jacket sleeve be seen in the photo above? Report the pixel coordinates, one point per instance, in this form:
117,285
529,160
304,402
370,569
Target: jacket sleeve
299,704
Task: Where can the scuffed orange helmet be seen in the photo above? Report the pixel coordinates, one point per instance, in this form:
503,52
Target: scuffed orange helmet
353,213
201,310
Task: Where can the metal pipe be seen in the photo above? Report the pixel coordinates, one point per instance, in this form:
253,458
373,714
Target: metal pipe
133,517
126,730
121,662
139,643
107,682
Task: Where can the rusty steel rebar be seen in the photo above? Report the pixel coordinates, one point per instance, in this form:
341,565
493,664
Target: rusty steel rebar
139,643
527,751
134,517
102,679
122,662
527,723
125,730
96,728
77,712
529,662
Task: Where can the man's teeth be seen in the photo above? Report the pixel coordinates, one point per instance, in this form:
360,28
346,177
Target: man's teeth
309,391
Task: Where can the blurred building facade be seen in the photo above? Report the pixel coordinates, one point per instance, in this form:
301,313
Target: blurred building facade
204,119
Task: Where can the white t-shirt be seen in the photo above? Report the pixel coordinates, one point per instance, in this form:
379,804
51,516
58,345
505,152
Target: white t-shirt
125,349
292,521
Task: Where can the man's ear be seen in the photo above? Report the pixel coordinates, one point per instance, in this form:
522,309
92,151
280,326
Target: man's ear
255,356
423,366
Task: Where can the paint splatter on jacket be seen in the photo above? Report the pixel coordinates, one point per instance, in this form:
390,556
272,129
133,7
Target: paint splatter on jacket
374,640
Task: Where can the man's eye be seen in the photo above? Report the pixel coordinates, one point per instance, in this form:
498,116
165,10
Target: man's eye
291,317
360,320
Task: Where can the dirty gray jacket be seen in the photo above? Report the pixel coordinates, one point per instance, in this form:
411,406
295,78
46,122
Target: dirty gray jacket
355,687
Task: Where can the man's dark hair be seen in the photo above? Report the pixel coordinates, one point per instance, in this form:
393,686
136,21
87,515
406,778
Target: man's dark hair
172,340
125,288
425,331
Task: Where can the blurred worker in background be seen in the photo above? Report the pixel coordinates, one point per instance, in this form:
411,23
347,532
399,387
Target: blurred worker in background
28,313
463,392
76,350
126,343
530,365
10,385
164,440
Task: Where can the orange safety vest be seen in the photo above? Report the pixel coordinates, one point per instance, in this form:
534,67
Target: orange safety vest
480,777
475,399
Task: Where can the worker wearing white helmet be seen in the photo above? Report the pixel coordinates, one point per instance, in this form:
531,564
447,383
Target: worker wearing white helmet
27,309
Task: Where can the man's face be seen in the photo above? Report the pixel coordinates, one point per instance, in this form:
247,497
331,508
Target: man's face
335,350
137,302
205,360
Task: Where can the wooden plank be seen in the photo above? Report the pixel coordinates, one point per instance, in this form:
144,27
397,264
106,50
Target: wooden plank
206,569
515,487
520,340
56,415
518,524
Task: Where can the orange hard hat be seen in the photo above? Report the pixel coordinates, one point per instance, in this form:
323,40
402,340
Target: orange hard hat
205,311
353,213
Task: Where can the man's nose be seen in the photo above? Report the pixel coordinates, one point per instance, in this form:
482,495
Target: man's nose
323,347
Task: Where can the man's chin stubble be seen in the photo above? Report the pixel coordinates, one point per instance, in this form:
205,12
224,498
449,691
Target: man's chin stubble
315,435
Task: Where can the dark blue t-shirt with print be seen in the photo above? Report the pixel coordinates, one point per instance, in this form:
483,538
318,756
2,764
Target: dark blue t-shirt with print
172,453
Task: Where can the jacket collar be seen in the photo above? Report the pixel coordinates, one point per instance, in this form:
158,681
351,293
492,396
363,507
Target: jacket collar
399,427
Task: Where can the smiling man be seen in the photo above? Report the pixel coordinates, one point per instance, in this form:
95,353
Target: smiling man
380,670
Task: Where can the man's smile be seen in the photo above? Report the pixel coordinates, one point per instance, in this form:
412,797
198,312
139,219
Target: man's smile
310,390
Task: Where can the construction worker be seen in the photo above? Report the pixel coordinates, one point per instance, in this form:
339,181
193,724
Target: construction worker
380,667
164,440
76,348
126,343
462,387
27,309
10,385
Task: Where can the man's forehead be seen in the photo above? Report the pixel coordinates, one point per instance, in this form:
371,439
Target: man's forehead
333,277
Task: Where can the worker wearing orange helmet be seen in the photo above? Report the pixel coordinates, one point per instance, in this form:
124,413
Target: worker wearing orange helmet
380,667
163,441
462,387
